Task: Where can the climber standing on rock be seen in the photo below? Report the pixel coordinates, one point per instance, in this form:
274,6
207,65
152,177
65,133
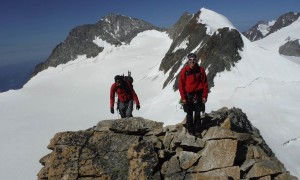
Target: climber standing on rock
193,88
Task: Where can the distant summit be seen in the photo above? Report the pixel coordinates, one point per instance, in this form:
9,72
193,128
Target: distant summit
259,30
263,28
114,29
281,36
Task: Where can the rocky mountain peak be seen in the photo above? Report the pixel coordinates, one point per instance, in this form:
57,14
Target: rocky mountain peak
229,147
175,30
262,28
258,31
123,28
115,29
283,21
217,50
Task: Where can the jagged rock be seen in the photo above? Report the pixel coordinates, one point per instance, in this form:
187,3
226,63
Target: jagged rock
291,48
216,154
70,138
256,33
177,28
196,176
142,161
186,141
247,164
218,52
230,172
137,148
187,159
218,132
130,126
171,167
264,168
193,33
256,152
285,176
80,39
283,21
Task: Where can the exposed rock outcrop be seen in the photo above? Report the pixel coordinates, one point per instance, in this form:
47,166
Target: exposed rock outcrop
258,31
218,51
136,148
283,21
263,28
177,28
115,29
291,48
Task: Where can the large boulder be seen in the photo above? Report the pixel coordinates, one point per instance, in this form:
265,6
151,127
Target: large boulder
229,147
291,48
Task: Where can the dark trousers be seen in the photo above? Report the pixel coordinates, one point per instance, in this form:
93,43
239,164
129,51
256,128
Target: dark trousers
193,120
193,110
126,109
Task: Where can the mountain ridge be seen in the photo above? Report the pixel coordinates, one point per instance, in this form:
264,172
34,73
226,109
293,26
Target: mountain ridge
75,96
113,28
256,33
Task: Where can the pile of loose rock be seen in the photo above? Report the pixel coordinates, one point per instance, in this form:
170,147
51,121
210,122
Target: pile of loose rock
136,148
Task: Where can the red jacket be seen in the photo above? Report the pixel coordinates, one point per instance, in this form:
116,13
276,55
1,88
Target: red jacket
192,80
123,94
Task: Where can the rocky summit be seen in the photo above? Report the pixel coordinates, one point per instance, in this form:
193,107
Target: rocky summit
229,147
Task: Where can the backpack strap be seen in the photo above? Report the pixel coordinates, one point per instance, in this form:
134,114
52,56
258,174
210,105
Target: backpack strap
194,72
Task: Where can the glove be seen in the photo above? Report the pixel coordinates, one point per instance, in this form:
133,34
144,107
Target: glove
112,110
203,107
138,107
185,107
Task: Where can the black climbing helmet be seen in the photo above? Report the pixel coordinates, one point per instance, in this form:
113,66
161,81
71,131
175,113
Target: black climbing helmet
192,55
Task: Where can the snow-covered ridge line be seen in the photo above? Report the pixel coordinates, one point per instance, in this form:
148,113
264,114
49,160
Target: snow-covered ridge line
213,21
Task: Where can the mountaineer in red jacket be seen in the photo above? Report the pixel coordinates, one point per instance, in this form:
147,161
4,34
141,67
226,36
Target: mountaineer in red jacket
126,96
193,88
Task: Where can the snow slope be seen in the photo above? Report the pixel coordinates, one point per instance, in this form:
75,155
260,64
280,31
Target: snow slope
75,96
72,97
266,87
276,39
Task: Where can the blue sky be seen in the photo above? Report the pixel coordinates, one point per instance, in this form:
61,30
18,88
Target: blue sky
31,29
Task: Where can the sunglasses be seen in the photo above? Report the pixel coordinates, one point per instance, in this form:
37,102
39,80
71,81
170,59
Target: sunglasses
192,59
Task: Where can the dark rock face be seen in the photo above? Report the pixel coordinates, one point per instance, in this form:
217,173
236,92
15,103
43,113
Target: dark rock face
136,148
177,28
218,51
114,29
291,48
284,20
254,33
193,33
